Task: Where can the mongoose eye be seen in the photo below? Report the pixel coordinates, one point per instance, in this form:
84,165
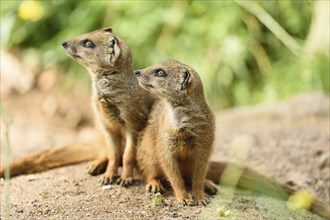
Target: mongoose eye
159,73
87,44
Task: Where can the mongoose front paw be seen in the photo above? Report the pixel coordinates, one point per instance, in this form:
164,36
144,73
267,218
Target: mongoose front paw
184,199
201,202
97,167
108,179
154,186
210,187
186,202
125,182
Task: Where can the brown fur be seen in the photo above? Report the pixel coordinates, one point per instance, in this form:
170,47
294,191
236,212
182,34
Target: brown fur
121,107
178,141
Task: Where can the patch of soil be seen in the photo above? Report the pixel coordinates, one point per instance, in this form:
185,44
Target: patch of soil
240,204
287,141
70,193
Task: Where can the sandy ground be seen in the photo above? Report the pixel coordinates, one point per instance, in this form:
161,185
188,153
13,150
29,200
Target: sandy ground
287,141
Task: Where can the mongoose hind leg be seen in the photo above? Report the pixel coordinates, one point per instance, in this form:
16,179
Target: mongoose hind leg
210,187
198,198
98,166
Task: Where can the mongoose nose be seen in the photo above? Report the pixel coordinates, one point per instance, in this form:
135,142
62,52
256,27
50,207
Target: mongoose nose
64,44
137,72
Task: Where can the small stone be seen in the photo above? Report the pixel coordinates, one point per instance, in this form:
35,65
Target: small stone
19,210
175,215
106,187
318,153
223,211
34,201
46,211
77,184
32,177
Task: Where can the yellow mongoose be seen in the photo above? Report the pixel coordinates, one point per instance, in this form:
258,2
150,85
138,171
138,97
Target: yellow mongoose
177,143
120,105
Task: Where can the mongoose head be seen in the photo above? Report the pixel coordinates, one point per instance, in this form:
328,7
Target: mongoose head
170,79
98,51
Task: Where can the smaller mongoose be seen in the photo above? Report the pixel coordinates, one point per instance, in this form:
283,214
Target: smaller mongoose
177,143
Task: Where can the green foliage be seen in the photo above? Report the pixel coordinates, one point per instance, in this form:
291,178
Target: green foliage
239,59
157,198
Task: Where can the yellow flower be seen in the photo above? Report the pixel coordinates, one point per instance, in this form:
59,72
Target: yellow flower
30,10
300,200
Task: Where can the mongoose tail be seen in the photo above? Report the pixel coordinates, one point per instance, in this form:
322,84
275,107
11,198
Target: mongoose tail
255,182
52,158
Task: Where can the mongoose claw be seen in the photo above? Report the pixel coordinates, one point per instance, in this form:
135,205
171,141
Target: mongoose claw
201,202
154,186
107,180
125,182
186,202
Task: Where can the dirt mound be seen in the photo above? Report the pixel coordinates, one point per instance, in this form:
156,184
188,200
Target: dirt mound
287,141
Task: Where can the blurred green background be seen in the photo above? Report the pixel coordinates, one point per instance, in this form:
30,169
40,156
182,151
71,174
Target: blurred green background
245,51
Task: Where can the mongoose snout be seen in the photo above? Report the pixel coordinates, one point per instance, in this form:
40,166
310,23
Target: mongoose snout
143,80
64,44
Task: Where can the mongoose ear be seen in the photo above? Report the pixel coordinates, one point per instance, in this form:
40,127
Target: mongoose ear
112,42
185,76
108,29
